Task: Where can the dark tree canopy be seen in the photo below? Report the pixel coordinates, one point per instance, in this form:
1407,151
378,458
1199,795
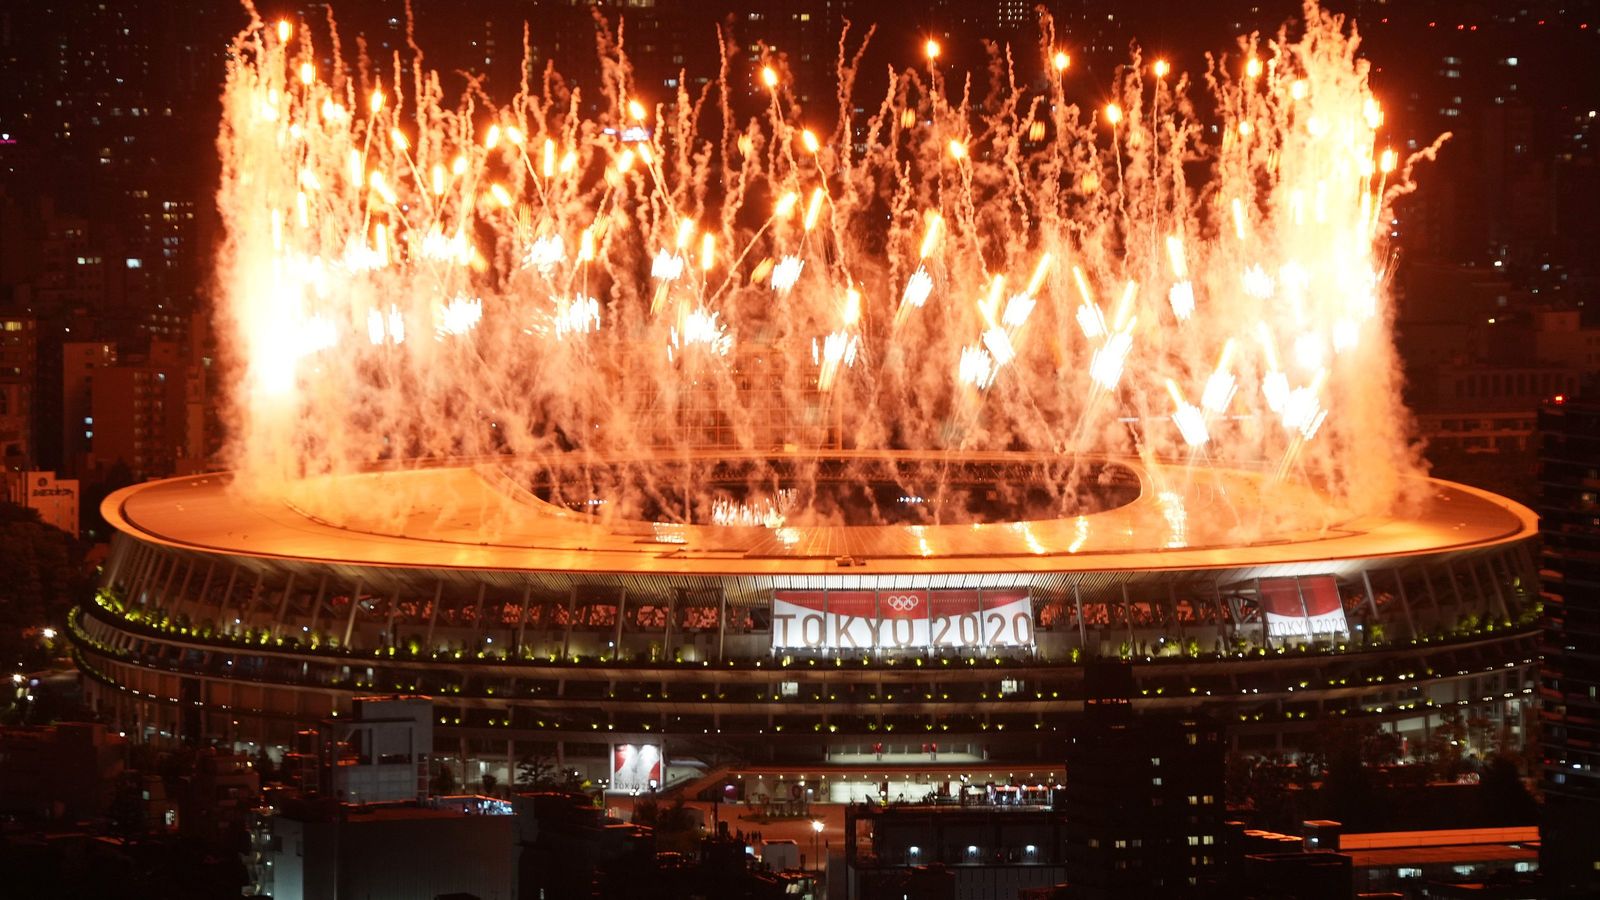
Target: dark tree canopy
42,576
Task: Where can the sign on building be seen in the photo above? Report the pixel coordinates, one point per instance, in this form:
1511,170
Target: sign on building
635,767
1303,607
901,619
55,499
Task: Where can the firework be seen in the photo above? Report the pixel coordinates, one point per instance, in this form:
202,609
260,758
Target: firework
360,215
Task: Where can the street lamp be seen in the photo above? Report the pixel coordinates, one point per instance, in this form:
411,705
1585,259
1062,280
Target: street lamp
816,832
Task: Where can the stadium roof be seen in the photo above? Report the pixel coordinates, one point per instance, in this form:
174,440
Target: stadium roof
466,517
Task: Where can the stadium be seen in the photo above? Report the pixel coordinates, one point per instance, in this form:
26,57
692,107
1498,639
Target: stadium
872,644
563,313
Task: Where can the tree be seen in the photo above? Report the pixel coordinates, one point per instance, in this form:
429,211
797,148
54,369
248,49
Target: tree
536,772
41,578
646,811
1380,747
1504,797
1261,784
1347,785
1481,732
675,828
265,768
444,780
676,817
1447,745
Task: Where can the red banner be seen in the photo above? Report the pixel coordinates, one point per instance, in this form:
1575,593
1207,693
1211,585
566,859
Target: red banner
1302,607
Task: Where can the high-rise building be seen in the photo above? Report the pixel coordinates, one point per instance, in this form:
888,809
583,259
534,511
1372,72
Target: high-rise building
80,362
1569,510
148,413
18,359
107,145
1143,798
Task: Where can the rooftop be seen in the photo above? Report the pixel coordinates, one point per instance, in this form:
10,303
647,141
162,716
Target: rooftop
1444,837
1462,854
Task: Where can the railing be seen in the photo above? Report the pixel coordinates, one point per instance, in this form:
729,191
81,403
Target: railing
1381,672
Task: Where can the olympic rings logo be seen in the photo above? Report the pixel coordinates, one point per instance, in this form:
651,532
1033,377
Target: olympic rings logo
903,602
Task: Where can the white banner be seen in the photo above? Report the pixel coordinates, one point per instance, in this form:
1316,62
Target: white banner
900,620
1297,626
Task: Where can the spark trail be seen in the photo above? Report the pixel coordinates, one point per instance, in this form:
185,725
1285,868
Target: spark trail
410,276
